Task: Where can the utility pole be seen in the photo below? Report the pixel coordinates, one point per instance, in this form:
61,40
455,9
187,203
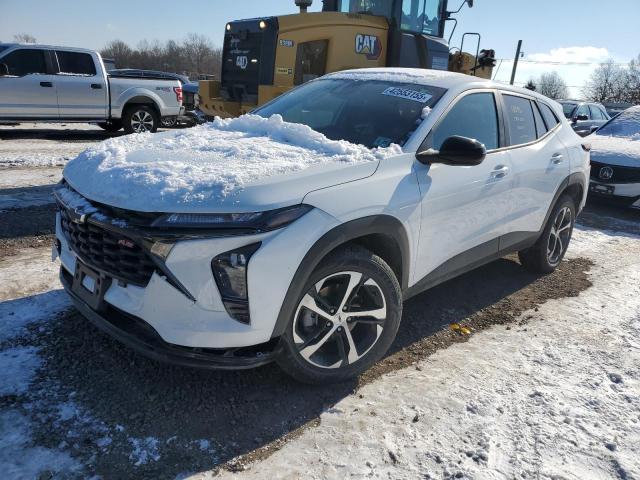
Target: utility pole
515,62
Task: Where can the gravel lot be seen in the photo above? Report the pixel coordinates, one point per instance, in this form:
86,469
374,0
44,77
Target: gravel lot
78,404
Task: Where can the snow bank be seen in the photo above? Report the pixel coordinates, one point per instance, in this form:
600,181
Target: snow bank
208,163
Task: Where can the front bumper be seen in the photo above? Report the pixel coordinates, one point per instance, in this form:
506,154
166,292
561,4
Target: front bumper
138,335
624,194
200,320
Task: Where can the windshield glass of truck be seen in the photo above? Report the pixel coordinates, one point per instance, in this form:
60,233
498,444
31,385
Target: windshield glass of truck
367,112
422,16
368,7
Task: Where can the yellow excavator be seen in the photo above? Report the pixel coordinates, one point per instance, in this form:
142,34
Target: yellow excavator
265,57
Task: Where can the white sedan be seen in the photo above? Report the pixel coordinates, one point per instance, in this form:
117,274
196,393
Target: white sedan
615,159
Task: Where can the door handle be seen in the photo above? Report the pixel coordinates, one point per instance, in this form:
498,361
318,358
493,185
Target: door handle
46,84
557,158
500,171
96,86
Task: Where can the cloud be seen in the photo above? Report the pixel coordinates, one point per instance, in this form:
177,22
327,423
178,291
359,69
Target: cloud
572,54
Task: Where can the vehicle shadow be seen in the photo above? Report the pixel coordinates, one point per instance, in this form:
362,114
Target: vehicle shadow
70,133
237,411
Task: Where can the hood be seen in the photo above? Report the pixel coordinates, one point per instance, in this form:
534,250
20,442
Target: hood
621,151
245,164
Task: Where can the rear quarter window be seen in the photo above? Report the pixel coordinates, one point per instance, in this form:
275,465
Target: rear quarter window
76,63
519,117
549,117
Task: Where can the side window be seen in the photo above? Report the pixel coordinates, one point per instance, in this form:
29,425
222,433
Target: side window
596,113
522,127
582,110
76,63
541,128
549,117
25,61
311,61
473,116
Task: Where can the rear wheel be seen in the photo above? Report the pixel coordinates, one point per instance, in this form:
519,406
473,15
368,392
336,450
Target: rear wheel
345,320
169,122
547,253
140,119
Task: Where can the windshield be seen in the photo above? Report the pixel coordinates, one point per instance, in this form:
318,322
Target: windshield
568,109
422,16
627,124
368,7
367,112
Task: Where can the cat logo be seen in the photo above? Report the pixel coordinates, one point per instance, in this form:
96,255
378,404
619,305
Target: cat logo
368,45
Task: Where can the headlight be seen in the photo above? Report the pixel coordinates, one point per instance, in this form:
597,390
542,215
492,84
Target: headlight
258,221
230,272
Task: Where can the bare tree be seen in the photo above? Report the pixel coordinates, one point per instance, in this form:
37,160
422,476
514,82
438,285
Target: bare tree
531,85
608,82
24,38
194,56
633,81
552,85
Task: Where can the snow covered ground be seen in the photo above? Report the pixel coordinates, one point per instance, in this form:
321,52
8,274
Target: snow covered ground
557,397
44,147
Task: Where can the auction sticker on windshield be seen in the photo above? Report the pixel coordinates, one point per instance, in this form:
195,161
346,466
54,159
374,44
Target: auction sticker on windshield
408,94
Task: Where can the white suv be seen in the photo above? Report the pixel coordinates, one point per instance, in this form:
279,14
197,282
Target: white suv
245,241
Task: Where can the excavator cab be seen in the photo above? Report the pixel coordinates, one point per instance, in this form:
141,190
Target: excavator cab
265,57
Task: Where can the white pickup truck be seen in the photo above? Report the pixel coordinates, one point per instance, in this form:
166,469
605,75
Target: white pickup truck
42,83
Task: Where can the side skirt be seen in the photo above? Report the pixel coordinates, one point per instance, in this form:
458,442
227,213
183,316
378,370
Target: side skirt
472,259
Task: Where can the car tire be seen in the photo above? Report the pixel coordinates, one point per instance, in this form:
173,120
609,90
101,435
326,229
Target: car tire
549,250
111,126
169,122
140,119
326,343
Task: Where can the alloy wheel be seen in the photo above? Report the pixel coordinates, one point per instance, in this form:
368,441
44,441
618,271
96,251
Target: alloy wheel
559,236
339,320
141,121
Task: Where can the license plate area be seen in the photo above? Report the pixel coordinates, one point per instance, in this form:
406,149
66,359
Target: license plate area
606,190
90,286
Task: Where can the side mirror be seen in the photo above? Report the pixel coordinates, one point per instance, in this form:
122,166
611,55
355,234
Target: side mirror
580,118
4,70
455,150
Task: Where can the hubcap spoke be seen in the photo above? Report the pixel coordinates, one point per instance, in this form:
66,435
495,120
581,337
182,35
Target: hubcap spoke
354,282
353,353
307,351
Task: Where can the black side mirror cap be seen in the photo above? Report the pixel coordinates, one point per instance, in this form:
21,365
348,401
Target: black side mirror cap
4,70
455,150
580,118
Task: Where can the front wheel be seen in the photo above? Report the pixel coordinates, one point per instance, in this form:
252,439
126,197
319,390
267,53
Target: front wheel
140,119
547,253
345,320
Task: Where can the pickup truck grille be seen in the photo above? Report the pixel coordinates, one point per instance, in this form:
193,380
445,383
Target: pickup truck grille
106,251
620,174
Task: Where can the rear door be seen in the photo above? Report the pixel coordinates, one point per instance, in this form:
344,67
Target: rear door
464,209
29,91
82,89
540,163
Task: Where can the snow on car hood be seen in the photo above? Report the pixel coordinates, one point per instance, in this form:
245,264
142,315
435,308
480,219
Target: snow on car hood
241,164
622,151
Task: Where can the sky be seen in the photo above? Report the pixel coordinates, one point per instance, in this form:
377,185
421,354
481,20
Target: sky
583,31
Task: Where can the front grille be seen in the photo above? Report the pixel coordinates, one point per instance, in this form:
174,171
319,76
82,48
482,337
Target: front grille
108,252
620,174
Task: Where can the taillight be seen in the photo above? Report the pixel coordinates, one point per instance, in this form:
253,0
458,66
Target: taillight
178,91
586,147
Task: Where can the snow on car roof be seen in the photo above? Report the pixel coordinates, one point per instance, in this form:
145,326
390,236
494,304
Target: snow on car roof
205,164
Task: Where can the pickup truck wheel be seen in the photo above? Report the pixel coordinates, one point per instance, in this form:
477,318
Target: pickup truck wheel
140,119
547,253
345,320
111,126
